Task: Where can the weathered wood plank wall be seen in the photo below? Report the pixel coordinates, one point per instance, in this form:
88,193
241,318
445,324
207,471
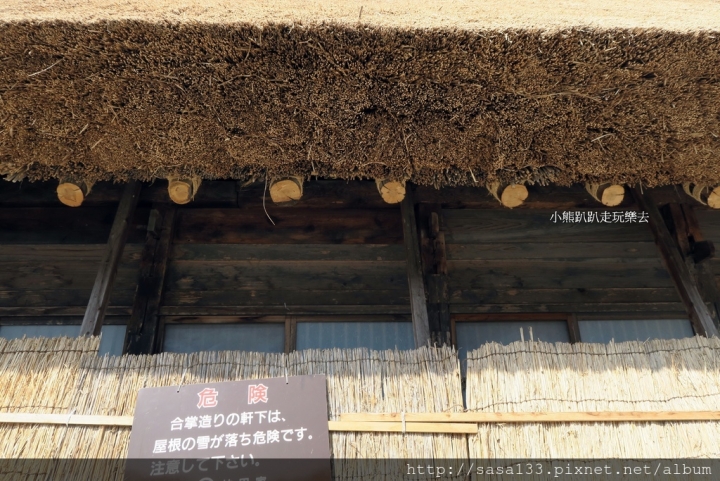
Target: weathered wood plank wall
709,221
50,254
521,261
339,251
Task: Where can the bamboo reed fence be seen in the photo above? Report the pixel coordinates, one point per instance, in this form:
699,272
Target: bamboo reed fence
70,378
660,375
66,376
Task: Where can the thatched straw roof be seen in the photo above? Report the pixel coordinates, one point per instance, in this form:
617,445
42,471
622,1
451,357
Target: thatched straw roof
438,92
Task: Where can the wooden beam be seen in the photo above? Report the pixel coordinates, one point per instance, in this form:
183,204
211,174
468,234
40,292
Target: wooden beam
573,329
72,192
672,257
400,427
181,190
703,272
392,191
434,260
127,421
142,329
286,190
456,423
418,304
607,194
100,296
65,419
535,417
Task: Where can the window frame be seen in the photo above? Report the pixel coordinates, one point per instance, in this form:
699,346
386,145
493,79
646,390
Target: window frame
290,321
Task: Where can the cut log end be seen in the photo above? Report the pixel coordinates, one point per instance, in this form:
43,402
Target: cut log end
512,195
181,191
286,189
392,191
610,195
714,198
73,193
705,195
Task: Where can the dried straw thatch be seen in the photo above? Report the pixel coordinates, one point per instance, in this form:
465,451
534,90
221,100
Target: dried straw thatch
677,375
436,92
426,380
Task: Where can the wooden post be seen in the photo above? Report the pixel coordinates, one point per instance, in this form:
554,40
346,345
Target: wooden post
418,304
100,296
673,259
696,250
434,261
141,336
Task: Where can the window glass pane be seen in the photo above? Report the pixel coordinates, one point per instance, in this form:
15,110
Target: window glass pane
266,337
346,335
603,331
472,335
111,343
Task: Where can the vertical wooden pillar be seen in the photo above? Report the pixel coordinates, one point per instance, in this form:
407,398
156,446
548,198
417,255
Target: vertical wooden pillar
672,257
141,336
434,261
416,284
684,226
100,296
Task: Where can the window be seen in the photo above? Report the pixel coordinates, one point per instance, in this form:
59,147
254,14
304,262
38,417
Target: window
470,332
113,336
376,335
257,337
621,330
288,333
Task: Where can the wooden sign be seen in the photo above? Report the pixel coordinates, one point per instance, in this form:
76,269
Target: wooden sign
260,430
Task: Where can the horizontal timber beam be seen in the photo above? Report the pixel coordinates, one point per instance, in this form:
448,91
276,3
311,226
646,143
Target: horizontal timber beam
534,417
457,423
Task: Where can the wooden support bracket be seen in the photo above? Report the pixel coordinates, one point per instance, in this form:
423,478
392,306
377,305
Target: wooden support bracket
416,283
142,328
100,296
672,256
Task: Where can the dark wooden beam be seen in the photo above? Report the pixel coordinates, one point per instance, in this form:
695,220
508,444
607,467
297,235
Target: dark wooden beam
573,329
416,284
100,296
699,251
143,326
434,260
672,257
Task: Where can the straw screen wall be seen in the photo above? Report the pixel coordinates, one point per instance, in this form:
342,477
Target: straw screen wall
67,376
662,375
64,376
